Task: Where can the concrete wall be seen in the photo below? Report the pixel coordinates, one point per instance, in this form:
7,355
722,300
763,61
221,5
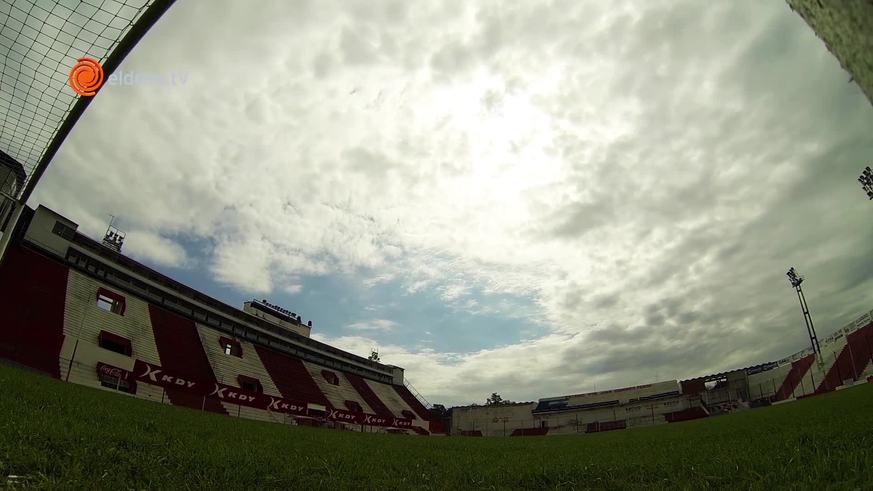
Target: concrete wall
624,394
489,419
83,321
845,26
40,229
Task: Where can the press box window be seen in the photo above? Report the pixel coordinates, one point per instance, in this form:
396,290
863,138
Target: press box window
110,301
114,342
63,230
230,346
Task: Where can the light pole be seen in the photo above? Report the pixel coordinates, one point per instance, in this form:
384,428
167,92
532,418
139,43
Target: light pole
866,181
796,280
504,419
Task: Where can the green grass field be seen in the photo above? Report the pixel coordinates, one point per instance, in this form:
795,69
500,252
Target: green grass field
58,435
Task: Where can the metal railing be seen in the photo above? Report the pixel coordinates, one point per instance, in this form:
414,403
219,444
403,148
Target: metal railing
424,402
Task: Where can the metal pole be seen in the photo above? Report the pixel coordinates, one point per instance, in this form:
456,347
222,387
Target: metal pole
869,350
73,357
852,359
5,243
810,328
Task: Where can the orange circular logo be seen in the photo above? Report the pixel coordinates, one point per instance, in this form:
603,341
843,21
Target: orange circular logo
86,76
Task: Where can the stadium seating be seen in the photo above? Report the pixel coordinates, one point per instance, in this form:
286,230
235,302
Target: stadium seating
290,377
413,402
32,333
846,358
335,387
181,352
80,321
798,370
368,395
60,327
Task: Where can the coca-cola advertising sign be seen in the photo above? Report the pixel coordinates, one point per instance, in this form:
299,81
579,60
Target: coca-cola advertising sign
112,371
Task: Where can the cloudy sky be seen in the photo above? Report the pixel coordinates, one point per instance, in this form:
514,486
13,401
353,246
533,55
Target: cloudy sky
532,198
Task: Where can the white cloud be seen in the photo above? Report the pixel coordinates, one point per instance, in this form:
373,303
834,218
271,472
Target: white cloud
373,325
544,367
454,291
244,264
293,289
153,248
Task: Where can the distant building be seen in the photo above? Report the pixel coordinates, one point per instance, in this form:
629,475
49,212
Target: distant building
12,175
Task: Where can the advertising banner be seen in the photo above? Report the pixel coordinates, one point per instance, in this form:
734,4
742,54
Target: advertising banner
155,375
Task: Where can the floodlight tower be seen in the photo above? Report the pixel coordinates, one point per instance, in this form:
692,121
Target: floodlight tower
796,280
866,181
114,237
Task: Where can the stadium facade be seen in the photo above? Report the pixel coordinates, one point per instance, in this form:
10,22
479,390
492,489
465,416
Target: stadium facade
846,359
80,311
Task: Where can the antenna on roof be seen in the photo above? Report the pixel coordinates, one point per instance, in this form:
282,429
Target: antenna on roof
374,354
114,238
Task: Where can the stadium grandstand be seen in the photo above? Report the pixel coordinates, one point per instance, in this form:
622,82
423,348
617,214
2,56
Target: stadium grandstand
82,312
79,310
846,360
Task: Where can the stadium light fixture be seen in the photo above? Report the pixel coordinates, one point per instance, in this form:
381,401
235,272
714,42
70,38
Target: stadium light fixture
866,181
796,280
